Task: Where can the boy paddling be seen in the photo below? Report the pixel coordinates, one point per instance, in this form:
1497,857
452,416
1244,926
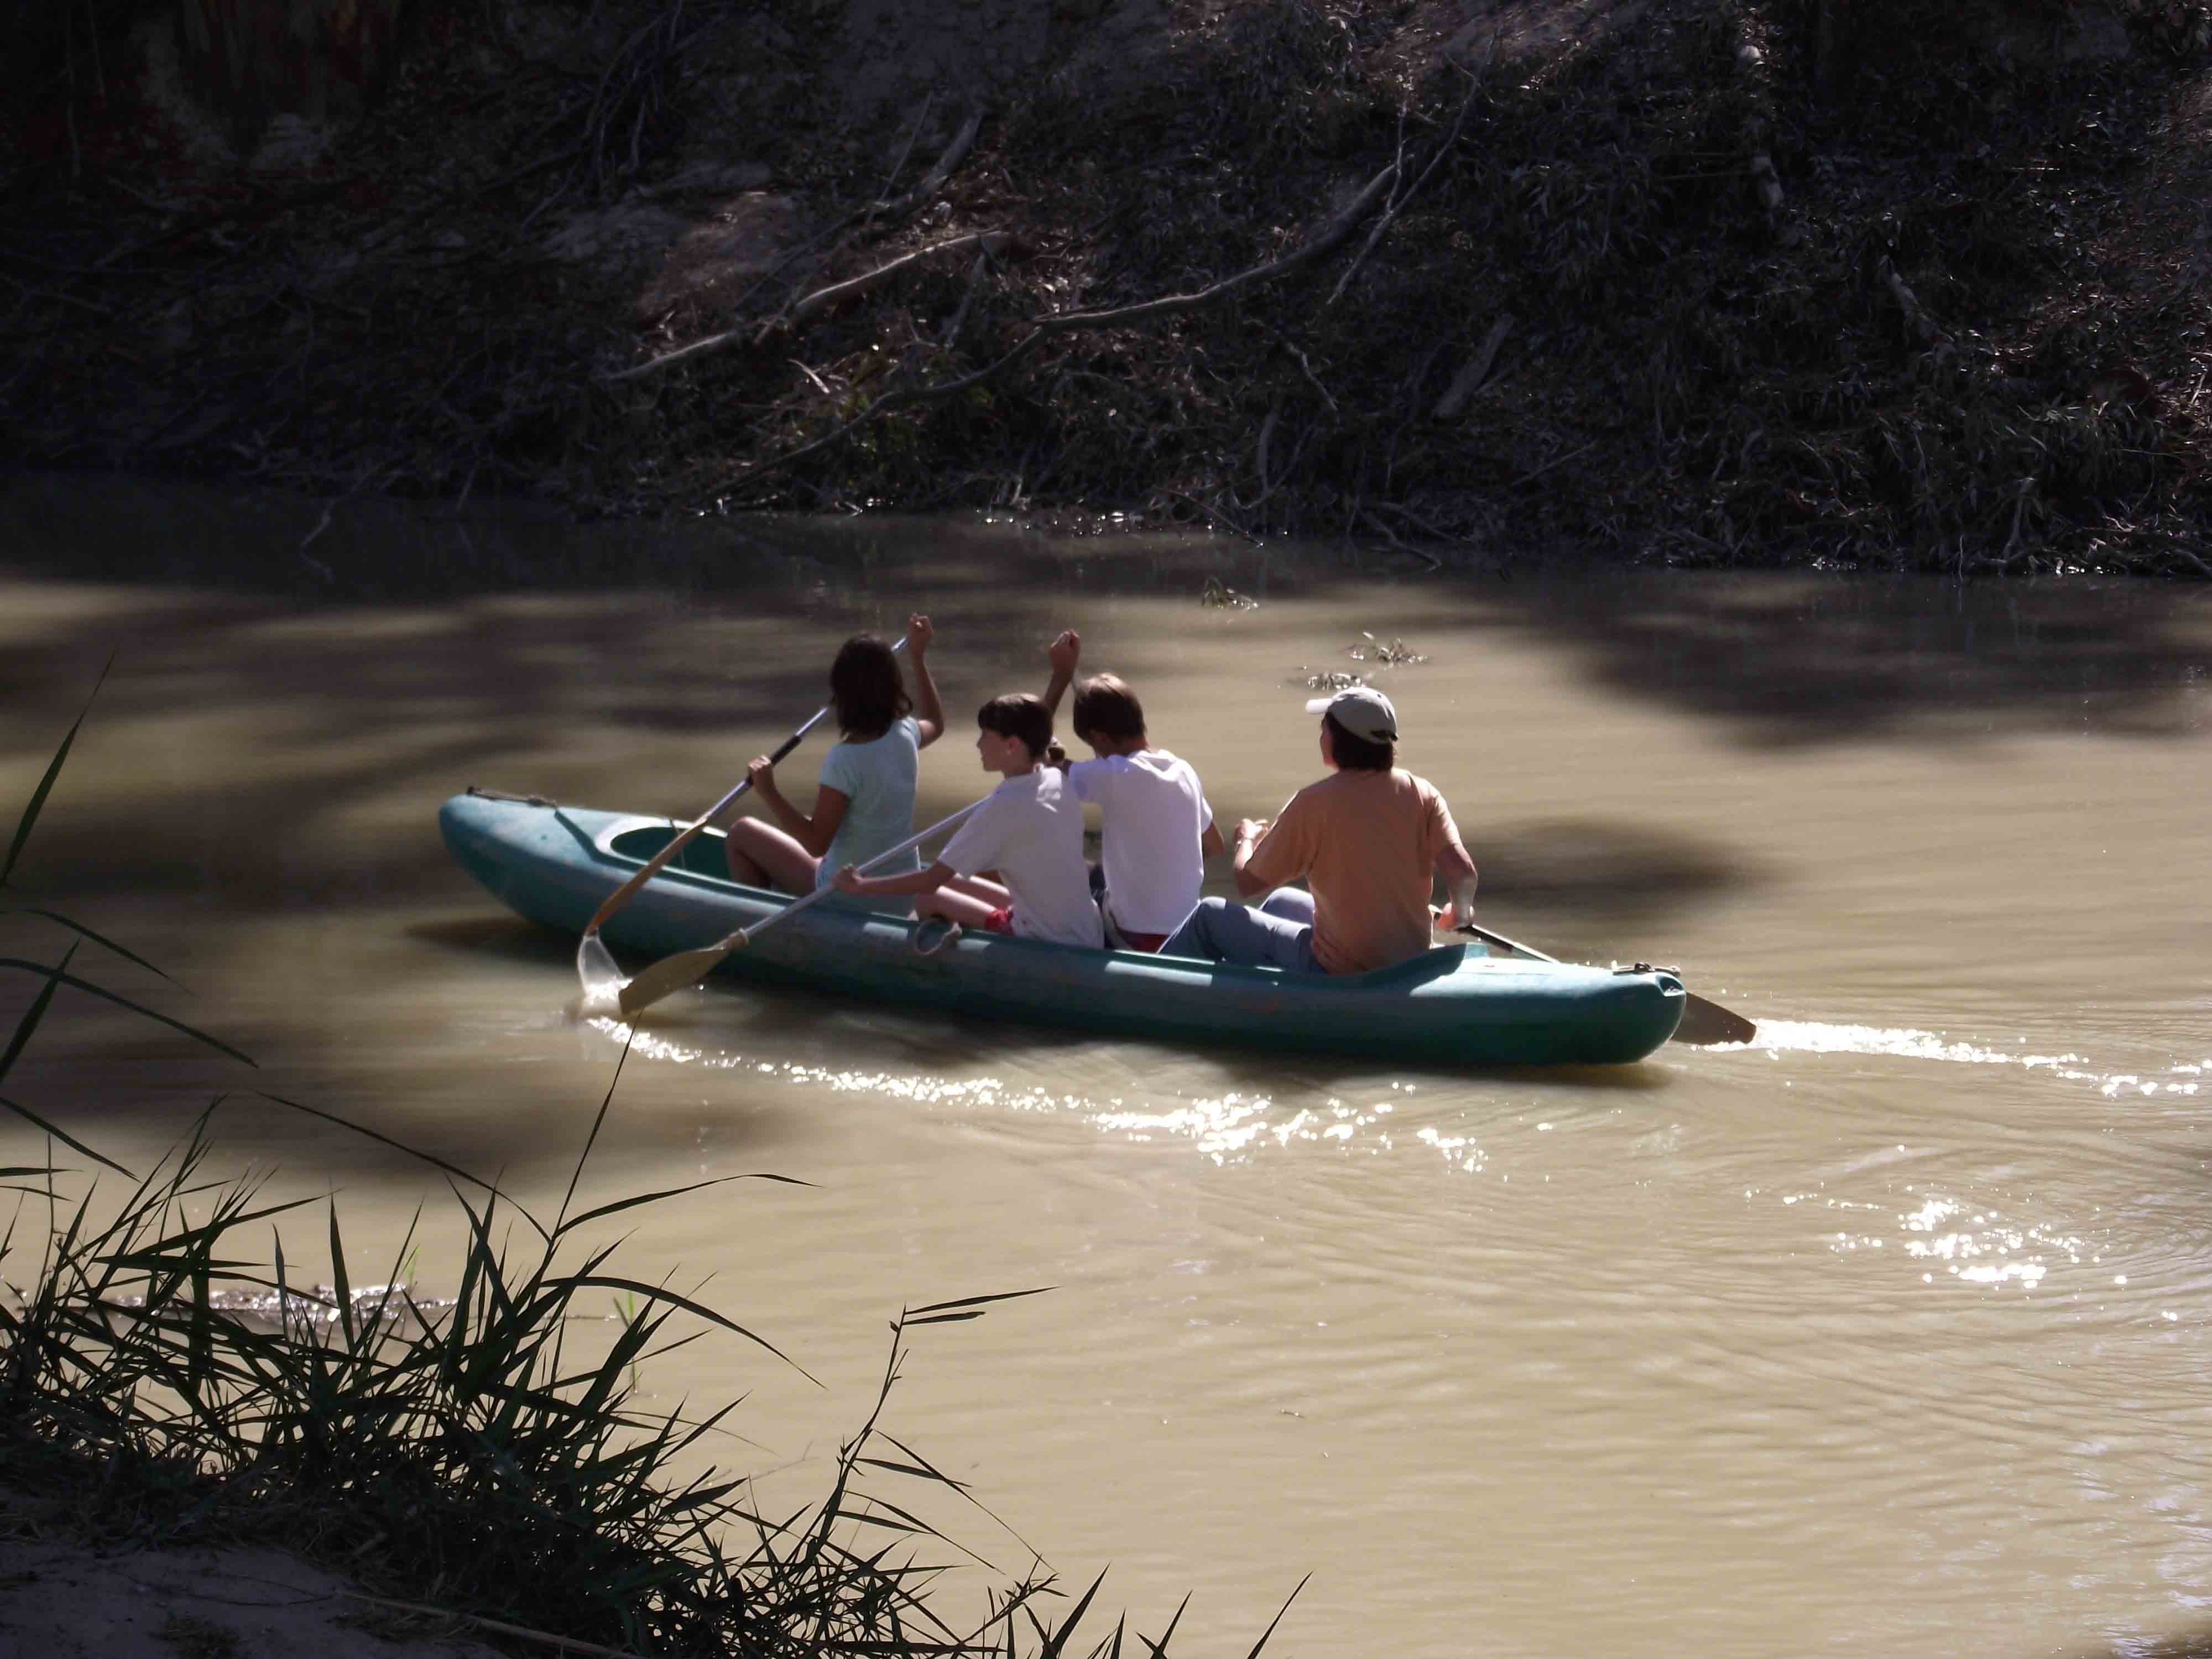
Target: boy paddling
1028,829
1156,827
1365,840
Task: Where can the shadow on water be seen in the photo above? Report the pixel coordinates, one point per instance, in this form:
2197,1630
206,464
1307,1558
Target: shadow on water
1779,660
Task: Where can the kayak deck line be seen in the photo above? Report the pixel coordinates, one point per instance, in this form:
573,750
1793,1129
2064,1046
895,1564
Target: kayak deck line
1454,1004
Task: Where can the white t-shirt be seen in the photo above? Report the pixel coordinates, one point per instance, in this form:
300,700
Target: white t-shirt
1029,830
1152,812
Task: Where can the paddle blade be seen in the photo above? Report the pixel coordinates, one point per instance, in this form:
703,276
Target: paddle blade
1705,1024
672,973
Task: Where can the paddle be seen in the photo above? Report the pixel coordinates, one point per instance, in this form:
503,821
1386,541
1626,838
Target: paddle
1703,1023
594,966
673,973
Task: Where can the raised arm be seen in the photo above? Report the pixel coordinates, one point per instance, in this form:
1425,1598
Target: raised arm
1062,653
928,712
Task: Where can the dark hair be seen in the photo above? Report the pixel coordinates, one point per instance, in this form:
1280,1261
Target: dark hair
1019,715
866,689
1106,708
1355,754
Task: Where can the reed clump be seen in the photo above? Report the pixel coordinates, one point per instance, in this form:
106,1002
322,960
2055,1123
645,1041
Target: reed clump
167,1377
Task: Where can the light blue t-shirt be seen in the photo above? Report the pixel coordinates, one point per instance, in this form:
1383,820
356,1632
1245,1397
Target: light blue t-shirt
877,780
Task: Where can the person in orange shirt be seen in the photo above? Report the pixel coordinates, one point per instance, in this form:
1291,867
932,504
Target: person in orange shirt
1364,840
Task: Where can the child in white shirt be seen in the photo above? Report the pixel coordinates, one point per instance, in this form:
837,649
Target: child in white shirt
1029,830
1155,826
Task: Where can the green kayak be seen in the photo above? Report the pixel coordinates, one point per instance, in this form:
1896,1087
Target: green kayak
1453,1004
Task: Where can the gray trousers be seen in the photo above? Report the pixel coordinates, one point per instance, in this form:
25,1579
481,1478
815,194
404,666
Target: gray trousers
1278,933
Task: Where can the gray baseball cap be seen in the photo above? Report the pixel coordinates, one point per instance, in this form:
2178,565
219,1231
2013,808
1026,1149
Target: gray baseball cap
1361,710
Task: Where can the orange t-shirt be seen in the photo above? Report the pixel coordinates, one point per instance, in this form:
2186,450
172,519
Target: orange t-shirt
1365,843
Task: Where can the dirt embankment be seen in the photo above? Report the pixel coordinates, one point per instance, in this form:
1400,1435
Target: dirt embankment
1704,281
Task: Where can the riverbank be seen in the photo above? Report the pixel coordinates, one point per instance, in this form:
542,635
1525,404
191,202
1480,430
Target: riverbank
1650,280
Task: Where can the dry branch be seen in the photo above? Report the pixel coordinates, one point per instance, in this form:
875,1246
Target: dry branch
983,242
933,181
893,211
1398,206
1322,242
1469,379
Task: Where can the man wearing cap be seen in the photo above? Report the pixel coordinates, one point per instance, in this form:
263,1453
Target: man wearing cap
1364,839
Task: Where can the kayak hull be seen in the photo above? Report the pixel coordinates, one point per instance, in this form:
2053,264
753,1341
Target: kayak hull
1454,1005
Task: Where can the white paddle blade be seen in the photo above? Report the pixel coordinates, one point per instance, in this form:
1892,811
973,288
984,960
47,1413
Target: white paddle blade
672,973
1707,1025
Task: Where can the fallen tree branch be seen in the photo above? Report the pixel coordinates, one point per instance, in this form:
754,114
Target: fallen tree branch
1041,329
986,241
1324,241
894,211
1398,206
933,181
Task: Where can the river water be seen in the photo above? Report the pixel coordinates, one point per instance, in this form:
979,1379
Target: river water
1886,1331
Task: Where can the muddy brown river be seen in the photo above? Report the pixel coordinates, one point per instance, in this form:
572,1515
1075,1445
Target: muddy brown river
1884,1333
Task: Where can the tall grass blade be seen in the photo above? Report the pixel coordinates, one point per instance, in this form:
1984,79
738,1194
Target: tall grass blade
966,1306
78,928
620,1204
697,1310
75,983
1277,1618
24,1027
62,1135
1159,1649
430,1158
592,1139
30,818
1058,1640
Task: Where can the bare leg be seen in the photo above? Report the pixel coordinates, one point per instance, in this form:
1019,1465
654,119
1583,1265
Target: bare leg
963,907
975,887
762,855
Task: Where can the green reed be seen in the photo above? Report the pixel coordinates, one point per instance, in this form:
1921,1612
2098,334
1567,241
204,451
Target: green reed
455,1452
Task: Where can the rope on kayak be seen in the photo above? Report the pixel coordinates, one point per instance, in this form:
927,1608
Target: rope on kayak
520,800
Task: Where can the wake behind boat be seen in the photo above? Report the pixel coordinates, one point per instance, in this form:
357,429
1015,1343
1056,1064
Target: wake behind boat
556,864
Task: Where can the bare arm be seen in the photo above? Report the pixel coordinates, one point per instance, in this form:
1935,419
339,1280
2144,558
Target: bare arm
1249,834
814,834
1062,653
1211,842
1458,869
850,880
928,712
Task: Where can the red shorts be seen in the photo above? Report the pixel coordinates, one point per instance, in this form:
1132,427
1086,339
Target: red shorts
1148,943
1000,920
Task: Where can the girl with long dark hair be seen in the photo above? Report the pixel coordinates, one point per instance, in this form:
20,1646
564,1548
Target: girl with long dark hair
866,801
